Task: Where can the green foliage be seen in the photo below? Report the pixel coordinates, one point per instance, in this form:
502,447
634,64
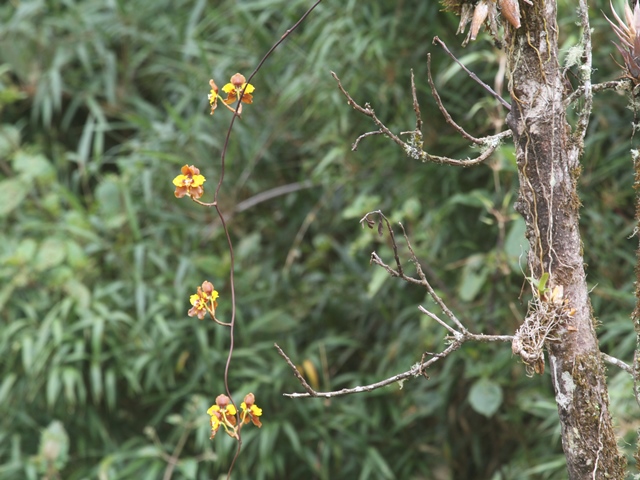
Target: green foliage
103,102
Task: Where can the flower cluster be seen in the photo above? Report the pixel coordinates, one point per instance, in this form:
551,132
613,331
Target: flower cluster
203,301
250,411
223,413
236,89
189,183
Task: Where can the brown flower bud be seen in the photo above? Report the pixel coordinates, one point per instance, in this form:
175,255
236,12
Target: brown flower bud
207,287
249,399
510,10
479,16
238,80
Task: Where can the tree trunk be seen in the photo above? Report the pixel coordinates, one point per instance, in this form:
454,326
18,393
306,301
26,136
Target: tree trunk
548,166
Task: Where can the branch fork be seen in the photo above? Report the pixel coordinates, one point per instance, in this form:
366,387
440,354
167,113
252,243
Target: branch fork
458,333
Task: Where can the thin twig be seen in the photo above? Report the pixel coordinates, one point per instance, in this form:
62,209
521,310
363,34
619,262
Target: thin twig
393,242
226,230
175,456
584,75
354,147
415,151
504,103
415,371
298,375
618,363
433,316
457,338
427,285
444,111
416,105
623,84
270,194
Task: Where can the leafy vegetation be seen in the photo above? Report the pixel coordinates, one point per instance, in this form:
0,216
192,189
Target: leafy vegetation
103,102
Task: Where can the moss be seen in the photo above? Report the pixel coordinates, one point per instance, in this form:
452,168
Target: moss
452,6
588,376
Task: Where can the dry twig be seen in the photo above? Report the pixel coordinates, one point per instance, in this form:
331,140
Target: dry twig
414,147
505,104
458,334
624,84
444,111
585,75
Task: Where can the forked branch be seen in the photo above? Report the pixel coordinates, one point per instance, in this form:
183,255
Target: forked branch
414,146
458,333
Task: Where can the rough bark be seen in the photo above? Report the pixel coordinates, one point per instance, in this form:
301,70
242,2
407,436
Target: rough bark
635,316
548,165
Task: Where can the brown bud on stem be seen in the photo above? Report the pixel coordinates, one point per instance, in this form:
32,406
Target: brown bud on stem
479,16
510,10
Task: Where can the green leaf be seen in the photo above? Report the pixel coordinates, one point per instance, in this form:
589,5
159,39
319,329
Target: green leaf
12,193
485,397
542,283
51,253
474,275
362,205
6,385
188,467
377,280
9,138
54,448
516,245
32,166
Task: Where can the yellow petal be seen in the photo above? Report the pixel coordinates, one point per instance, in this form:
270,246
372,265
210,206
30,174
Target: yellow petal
255,410
198,180
250,89
228,88
179,180
213,408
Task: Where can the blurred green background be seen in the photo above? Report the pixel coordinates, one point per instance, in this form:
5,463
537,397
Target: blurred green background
103,373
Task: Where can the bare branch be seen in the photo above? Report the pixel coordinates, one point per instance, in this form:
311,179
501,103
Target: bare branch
416,105
482,338
584,74
427,285
272,193
414,148
304,383
459,334
419,369
435,317
505,104
354,147
381,216
415,371
618,363
444,111
623,84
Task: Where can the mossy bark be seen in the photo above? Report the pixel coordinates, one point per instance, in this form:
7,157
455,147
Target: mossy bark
548,165
635,154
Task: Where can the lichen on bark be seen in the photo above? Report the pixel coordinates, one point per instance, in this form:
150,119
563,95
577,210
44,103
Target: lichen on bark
548,167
